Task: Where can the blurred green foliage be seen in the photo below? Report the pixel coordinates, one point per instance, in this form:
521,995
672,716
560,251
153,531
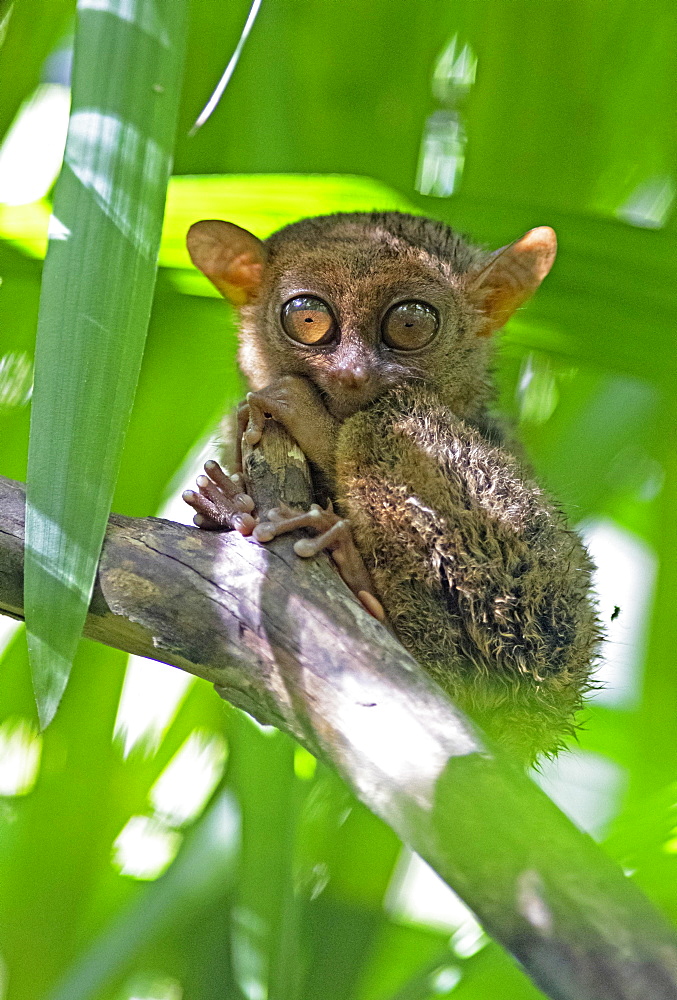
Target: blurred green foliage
278,884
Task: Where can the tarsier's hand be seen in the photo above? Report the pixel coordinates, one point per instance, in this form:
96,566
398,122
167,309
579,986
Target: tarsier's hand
221,502
295,403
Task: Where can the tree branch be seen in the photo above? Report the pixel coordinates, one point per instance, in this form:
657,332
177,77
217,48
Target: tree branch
282,638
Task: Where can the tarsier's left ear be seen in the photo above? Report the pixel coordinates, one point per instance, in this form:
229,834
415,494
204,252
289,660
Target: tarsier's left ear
232,258
511,276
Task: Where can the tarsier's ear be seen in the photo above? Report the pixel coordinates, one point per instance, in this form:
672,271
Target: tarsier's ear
230,257
511,276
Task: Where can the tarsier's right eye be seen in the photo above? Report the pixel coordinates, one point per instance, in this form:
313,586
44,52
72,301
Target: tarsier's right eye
308,320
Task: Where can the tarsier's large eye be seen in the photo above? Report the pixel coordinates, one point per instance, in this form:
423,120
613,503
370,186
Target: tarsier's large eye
409,325
308,320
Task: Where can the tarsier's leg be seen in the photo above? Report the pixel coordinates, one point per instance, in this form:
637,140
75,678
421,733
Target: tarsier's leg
221,502
334,536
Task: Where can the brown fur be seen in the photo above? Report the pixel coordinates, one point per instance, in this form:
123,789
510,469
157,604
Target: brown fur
361,263
476,568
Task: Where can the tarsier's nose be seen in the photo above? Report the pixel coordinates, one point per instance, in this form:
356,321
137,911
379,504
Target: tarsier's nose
353,376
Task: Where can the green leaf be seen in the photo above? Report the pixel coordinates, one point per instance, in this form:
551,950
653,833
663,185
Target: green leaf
33,29
202,870
96,296
265,938
345,861
403,957
260,202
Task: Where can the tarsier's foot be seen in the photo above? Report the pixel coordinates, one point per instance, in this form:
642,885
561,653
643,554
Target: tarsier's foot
334,536
221,502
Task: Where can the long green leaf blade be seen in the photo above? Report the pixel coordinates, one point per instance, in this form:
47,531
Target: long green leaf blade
95,304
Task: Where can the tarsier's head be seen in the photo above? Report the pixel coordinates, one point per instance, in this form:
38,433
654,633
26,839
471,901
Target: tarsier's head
364,301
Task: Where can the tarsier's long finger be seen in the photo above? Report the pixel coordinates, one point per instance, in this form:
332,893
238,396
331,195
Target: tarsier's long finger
242,421
336,538
257,419
338,541
206,517
220,502
229,485
281,520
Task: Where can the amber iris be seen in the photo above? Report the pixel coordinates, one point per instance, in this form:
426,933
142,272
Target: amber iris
308,320
410,325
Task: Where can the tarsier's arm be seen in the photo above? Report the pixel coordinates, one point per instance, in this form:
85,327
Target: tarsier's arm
481,579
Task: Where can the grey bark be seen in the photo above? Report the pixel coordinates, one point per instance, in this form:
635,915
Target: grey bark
282,638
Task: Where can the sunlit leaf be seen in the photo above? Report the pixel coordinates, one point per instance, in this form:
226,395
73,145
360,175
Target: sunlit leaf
260,202
96,297
29,31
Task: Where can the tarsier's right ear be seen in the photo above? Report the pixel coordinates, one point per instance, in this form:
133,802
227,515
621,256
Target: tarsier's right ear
511,276
230,257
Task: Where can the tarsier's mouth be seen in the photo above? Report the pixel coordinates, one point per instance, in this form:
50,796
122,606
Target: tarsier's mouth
348,404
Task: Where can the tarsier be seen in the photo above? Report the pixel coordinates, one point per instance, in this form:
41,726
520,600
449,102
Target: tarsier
369,337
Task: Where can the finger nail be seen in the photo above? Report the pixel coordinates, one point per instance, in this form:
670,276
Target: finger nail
244,523
372,605
304,548
244,501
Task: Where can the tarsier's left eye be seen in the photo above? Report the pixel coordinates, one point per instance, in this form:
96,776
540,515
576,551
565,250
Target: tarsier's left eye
308,320
410,325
